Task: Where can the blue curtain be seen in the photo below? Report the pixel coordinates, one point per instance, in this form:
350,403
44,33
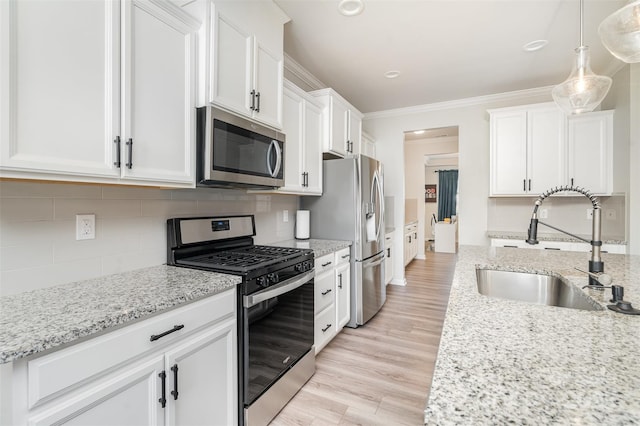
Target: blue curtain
448,188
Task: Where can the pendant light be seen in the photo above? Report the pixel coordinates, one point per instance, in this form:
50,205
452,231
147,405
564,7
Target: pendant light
583,90
620,32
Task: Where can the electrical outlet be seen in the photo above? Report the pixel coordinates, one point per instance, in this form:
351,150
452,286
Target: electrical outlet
85,226
544,213
610,214
589,214
285,215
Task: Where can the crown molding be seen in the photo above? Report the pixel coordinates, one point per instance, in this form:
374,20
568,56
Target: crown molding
461,103
302,73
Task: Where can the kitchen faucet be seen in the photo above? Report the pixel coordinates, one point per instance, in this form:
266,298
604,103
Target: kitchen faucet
596,265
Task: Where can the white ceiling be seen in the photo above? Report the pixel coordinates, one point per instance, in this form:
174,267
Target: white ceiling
444,49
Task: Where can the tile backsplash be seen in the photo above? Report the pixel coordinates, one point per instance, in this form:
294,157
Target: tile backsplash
565,212
37,227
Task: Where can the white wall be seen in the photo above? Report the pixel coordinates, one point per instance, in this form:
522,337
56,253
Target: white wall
471,117
37,227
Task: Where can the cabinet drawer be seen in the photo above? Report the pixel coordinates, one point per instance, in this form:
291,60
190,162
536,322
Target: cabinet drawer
325,327
324,263
343,256
324,288
62,370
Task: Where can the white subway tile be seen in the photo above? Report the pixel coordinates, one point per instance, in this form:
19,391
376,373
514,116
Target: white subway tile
134,193
129,261
168,208
26,209
15,189
68,209
26,256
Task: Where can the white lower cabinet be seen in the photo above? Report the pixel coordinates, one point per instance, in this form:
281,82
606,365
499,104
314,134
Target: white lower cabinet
187,375
410,242
332,285
388,260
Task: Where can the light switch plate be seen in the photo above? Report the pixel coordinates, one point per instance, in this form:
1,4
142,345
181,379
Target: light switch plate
85,226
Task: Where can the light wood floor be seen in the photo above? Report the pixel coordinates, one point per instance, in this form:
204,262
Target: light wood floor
380,374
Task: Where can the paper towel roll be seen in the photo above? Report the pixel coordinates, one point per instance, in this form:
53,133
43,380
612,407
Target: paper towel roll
302,225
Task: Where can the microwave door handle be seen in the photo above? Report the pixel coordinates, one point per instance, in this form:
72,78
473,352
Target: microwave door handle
274,171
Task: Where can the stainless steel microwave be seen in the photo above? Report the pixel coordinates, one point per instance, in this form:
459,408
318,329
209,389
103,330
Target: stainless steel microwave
235,152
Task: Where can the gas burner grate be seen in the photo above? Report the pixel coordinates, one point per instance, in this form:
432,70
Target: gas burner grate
247,257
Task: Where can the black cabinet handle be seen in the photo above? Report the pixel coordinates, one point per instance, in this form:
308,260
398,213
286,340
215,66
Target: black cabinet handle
510,246
340,281
571,181
551,248
174,392
345,256
524,184
173,330
253,100
326,264
117,142
415,235
324,293
130,148
389,252
326,328
258,103
529,184
163,399
409,238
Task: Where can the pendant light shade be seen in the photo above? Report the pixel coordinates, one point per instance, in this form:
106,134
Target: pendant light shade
583,90
620,32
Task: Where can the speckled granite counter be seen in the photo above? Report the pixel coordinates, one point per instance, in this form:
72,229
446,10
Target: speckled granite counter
319,247
35,321
542,236
503,361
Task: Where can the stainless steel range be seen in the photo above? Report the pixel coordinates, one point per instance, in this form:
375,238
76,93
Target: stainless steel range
275,306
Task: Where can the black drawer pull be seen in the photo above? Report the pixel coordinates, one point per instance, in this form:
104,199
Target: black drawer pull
346,256
173,330
326,264
324,330
551,248
163,399
174,392
510,246
129,144
324,293
117,142
340,279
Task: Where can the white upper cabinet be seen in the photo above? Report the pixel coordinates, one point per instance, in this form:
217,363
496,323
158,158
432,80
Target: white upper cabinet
59,88
80,79
590,151
159,103
368,146
342,124
527,149
245,71
537,147
303,152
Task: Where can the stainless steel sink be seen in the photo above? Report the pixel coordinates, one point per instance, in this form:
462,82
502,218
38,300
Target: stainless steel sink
533,288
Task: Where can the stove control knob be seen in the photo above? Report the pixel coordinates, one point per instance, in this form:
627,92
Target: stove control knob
299,267
262,281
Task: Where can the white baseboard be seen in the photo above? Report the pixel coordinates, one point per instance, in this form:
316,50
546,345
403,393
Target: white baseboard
394,281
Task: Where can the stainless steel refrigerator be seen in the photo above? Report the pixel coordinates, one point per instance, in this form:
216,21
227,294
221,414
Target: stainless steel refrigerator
352,208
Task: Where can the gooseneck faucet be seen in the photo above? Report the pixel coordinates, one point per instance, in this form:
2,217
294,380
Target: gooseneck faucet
596,265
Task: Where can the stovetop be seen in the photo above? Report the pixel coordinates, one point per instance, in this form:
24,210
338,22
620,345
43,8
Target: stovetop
243,260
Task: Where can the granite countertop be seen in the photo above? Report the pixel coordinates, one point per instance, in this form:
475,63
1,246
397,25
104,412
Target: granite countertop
38,320
542,236
319,247
503,361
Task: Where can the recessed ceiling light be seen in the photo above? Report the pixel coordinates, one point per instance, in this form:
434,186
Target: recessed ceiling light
392,74
351,7
532,46
418,132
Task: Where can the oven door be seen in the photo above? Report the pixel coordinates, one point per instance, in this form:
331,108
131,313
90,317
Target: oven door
277,331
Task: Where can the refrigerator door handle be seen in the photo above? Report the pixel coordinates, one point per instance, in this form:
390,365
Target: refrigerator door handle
374,261
378,189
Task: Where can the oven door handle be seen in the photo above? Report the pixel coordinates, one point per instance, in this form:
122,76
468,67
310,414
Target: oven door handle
277,290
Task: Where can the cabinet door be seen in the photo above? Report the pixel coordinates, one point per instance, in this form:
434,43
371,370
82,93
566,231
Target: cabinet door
231,64
545,149
324,285
201,378
343,295
293,111
268,82
590,151
59,86
355,133
313,148
508,139
128,397
338,128
159,105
